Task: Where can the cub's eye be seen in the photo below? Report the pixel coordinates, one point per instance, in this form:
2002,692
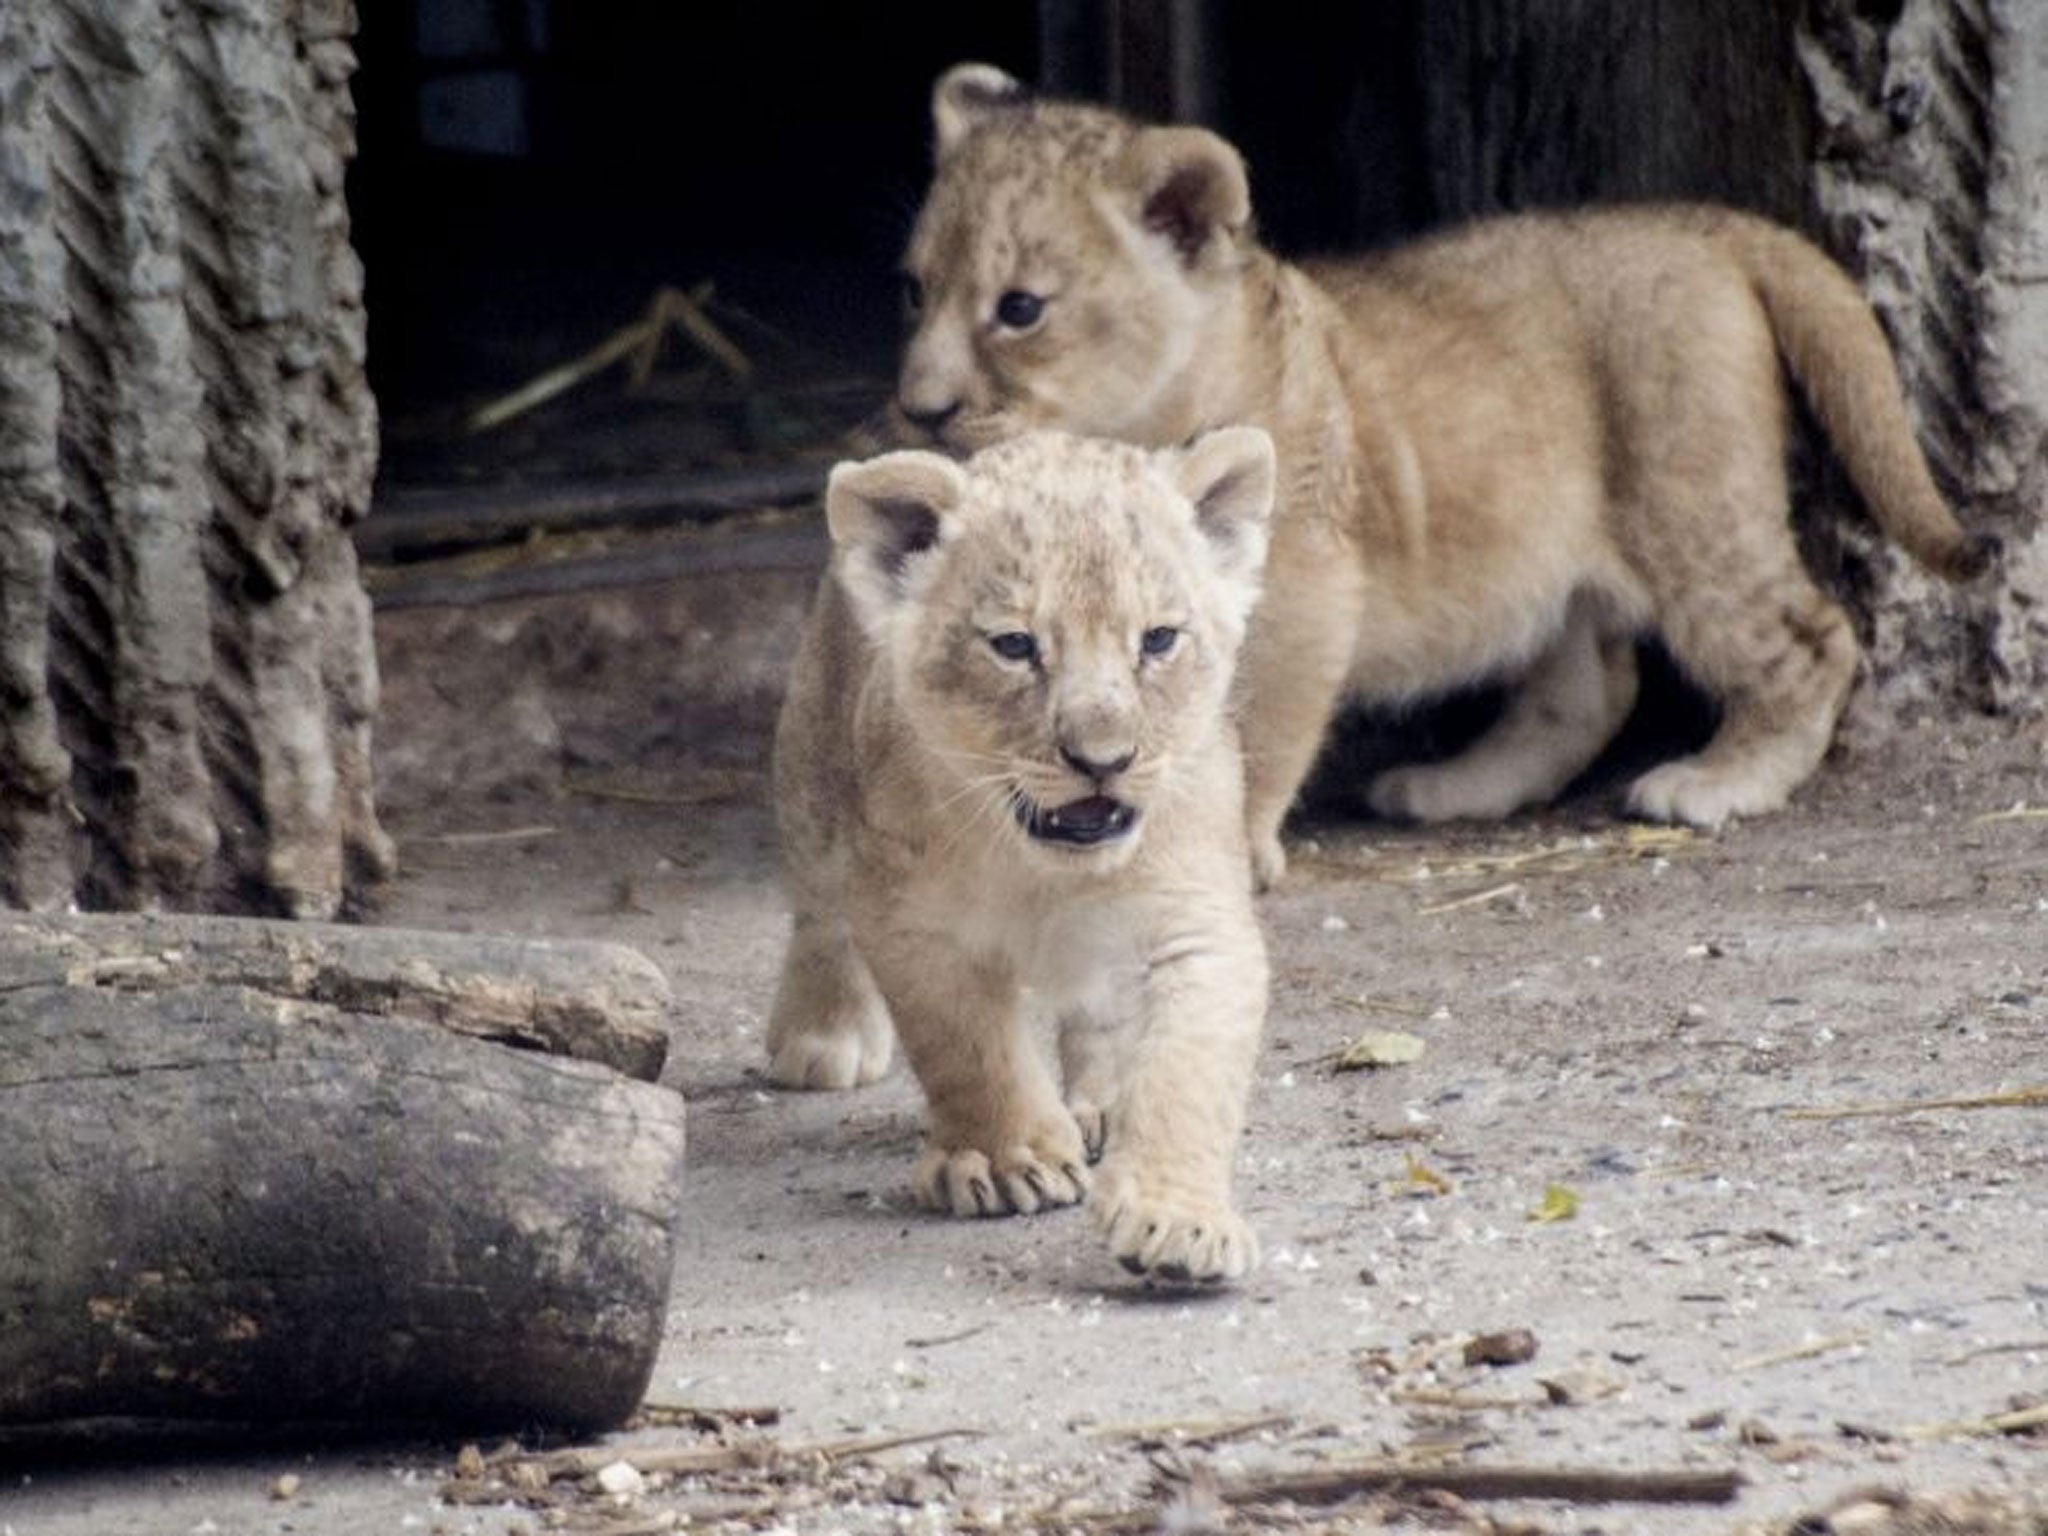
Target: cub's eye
913,296
1160,641
1018,310
1014,645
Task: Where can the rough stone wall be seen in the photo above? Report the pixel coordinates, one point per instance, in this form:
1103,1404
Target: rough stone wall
1900,181
1934,154
186,674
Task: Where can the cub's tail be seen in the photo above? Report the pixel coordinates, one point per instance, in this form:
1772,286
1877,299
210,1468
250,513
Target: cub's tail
1832,343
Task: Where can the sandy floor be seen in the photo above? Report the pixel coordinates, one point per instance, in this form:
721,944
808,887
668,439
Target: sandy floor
1665,1027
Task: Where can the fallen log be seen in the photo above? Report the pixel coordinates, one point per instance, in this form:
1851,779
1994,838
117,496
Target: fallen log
597,1002
217,1203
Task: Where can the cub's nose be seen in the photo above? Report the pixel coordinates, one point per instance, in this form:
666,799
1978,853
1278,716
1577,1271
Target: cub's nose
1090,765
929,419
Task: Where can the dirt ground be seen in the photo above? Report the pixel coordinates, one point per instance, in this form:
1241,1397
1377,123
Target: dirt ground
1699,1055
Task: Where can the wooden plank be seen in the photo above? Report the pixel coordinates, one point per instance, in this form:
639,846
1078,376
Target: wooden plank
441,518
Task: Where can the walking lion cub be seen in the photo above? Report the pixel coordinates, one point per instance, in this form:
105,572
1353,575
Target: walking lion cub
1007,775
1505,453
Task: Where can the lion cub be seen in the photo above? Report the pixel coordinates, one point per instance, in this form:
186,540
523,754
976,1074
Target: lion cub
1008,784
1505,452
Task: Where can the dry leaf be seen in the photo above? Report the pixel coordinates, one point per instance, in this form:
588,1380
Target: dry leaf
1560,1203
1380,1048
1421,1179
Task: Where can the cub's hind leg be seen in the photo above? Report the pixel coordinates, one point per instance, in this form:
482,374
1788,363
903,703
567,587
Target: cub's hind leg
1782,673
1291,679
1555,723
1702,517
1775,652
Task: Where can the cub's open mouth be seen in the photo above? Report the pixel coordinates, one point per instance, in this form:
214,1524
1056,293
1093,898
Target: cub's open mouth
1082,823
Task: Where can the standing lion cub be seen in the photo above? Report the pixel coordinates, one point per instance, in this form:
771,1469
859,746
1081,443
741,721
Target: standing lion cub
1006,774
1505,453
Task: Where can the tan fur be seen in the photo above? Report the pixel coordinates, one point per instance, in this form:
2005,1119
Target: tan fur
1506,452
909,742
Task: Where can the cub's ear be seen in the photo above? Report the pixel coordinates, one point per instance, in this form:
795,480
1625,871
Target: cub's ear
883,513
1188,185
966,95
1230,476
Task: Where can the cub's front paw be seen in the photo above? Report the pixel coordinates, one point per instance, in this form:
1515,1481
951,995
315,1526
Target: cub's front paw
1039,1173
1163,1229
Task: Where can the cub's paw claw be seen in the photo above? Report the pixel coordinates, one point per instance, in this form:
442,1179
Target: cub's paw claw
1172,1235
1017,1181
833,1059
1093,1122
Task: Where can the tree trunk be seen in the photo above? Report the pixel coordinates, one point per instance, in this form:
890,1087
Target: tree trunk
217,1203
186,674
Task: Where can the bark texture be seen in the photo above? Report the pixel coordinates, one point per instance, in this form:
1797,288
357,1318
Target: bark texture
186,673
1934,144
221,1204
596,1002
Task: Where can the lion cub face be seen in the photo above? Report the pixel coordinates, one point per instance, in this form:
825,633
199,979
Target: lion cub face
1061,265
1057,621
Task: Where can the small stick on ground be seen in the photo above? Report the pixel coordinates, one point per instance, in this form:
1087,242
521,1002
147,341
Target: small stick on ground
1469,1402
2020,812
2034,1096
1366,1003
695,1416
1806,1351
1476,899
544,387
697,1460
637,341
687,311
2019,1421
532,834
707,788
2020,1347
1571,1484
1198,1433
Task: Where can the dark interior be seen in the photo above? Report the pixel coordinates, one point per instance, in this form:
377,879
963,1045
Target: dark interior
531,171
